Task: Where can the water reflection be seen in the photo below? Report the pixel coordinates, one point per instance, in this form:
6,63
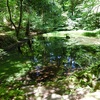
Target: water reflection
49,50
54,51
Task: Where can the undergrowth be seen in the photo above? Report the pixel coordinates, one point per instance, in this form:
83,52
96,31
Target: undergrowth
84,78
93,34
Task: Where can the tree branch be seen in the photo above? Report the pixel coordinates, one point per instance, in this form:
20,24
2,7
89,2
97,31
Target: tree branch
9,11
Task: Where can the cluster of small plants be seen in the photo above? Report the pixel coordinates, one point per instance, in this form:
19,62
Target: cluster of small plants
11,91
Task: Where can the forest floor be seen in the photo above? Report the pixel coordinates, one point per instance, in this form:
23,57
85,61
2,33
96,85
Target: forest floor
42,93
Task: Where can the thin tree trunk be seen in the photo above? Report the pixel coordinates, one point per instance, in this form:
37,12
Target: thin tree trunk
10,15
17,29
20,18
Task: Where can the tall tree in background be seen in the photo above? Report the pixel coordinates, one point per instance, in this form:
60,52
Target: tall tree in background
48,12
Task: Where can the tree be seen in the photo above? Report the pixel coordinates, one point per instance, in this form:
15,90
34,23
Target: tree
47,13
21,13
81,13
17,27
89,14
3,12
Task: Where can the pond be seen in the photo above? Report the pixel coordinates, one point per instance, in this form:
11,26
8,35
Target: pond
56,50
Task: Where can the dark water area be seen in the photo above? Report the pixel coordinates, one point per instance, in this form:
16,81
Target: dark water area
55,50
49,50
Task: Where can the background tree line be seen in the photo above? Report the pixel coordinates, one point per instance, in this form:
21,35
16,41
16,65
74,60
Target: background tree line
40,16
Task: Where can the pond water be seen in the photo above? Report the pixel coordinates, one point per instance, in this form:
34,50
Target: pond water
49,50
55,50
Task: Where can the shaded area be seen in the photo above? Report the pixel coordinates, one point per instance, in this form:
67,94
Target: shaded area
13,66
6,40
47,73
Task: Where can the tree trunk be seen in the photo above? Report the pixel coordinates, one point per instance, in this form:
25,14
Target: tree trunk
17,29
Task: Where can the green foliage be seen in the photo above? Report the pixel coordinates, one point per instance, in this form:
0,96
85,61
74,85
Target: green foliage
91,15
2,53
88,75
90,34
84,78
7,92
2,11
93,34
46,18
13,66
47,14
95,69
92,21
84,12
79,78
84,55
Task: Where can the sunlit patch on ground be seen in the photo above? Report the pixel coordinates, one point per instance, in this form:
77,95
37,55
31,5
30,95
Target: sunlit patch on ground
76,37
42,93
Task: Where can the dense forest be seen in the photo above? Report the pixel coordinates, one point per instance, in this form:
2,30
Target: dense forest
49,49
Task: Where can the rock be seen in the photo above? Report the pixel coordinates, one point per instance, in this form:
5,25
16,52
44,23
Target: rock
39,91
39,98
55,96
92,96
46,95
80,91
65,97
52,91
71,86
